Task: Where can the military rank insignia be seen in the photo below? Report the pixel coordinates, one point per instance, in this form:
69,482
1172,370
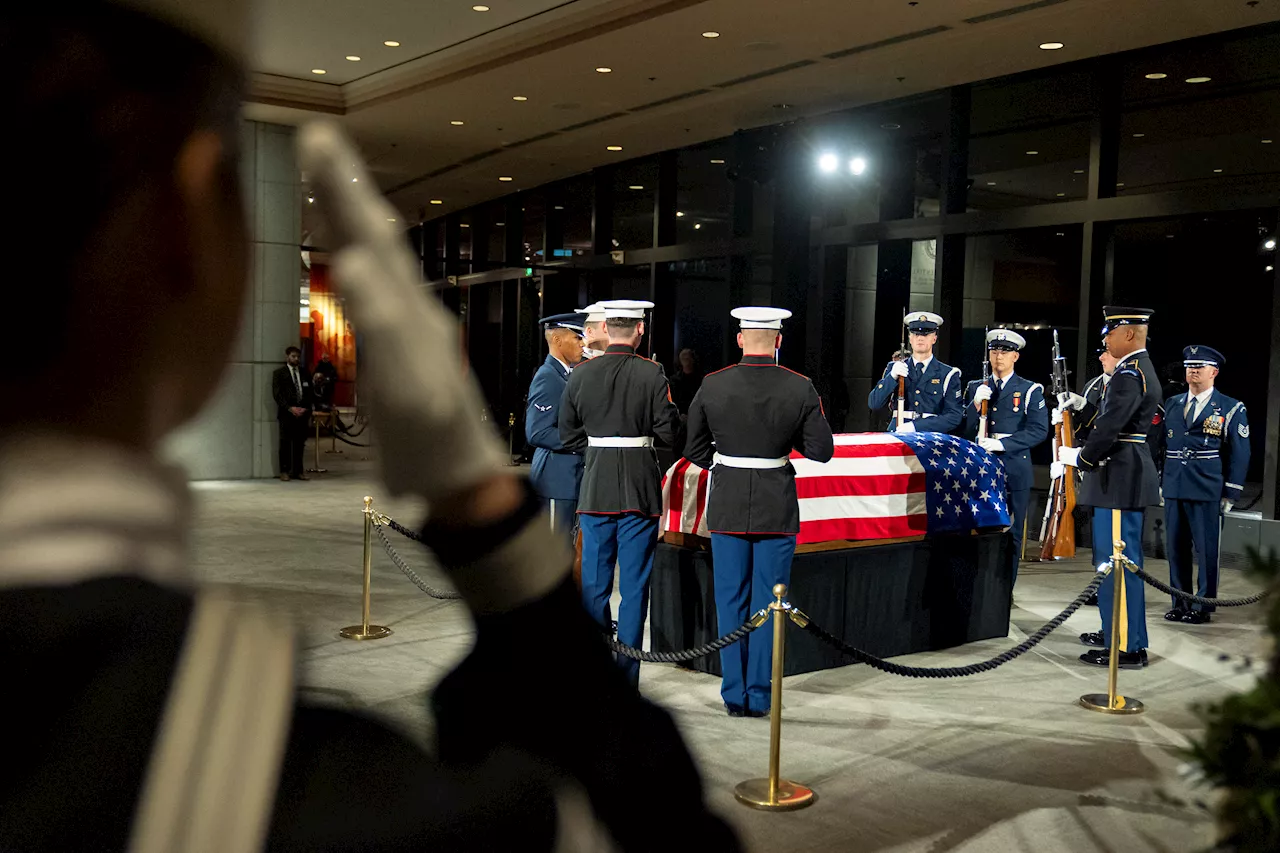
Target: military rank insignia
1213,425
1243,429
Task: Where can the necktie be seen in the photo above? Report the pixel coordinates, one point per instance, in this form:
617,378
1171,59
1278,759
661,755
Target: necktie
297,384
1191,406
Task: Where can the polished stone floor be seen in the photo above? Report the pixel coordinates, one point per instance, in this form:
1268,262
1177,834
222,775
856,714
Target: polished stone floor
998,762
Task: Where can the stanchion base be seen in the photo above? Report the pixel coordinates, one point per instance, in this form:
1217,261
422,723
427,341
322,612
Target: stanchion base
791,795
357,632
317,470
333,451
1101,702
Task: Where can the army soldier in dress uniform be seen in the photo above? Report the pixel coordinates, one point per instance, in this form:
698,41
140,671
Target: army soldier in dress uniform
594,332
1206,459
614,406
743,424
1119,474
933,389
556,473
1017,420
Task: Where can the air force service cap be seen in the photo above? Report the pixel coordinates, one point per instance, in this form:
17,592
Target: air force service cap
1121,315
1201,356
624,309
572,321
1005,339
594,312
760,318
922,322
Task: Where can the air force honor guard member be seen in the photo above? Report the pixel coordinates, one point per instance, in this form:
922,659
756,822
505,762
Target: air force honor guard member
933,389
1119,474
556,472
1017,420
1206,459
613,408
753,413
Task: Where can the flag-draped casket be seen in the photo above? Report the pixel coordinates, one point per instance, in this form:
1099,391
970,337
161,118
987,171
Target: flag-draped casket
877,486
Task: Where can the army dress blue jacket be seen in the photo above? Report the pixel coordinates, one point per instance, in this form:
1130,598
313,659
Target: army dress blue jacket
1016,415
557,472
1116,458
1207,459
934,397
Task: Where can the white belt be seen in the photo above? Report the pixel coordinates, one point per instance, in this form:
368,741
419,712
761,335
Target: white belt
750,461
619,441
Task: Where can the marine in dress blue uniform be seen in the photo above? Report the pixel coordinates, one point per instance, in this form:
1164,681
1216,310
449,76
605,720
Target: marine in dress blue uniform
557,472
1017,420
933,389
1120,474
743,424
1206,437
614,406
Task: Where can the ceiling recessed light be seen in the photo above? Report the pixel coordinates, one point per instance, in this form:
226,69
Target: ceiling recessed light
1119,183
480,8
1270,244
604,70
1199,79
505,179
559,207
311,199
391,220
392,43
1051,45
1061,195
355,180
1270,267
457,123
1078,172
679,213
500,224
1266,142
991,183
1217,171
697,226
318,71
437,201
519,98
1157,76
1138,135
353,59
717,162
613,148
463,225
711,34
1033,152
635,187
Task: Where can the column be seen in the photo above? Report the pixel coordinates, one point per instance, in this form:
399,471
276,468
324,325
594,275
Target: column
236,436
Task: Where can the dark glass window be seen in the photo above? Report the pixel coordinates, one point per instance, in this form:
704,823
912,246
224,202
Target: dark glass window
634,187
704,193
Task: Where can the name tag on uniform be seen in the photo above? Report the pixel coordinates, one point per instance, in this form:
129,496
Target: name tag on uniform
935,381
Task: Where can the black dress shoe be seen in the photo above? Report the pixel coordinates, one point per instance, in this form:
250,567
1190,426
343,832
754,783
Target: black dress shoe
1177,614
756,712
735,710
1091,601
1092,638
1128,660
1196,617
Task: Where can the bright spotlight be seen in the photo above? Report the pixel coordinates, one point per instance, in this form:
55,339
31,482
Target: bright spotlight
857,165
1270,244
828,162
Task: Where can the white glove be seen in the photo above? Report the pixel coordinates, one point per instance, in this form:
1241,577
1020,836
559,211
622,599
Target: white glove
906,426
424,399
982,395
991,445
1071,400
1056,470
1227,504
1056,417
1069,456
899,370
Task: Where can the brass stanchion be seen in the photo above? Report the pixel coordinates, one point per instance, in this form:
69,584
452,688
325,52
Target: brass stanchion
1112,702
511,440
365,631
333,432
774,793
316,447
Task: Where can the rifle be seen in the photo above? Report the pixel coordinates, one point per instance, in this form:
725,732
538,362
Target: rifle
902,382
986,380
1058,532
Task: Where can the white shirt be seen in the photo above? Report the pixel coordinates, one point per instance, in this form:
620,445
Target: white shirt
924,364
1201,399
1003,382
567,368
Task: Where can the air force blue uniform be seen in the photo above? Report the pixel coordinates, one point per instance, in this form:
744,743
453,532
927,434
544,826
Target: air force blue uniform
557,471
1206,459
933,396
1017,416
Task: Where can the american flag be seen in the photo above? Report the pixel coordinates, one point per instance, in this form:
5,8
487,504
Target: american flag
877,486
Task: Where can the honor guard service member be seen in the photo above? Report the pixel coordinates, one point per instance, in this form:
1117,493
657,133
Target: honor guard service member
1206,437
1120,474
596,336
1017,420
614,406
743,424
933,389
557,472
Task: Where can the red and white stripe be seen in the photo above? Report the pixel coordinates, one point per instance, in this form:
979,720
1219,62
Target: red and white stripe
873,488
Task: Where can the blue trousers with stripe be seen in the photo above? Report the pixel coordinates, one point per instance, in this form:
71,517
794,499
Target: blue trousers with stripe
746,569
1133,609
1019,500
628,540
1191,523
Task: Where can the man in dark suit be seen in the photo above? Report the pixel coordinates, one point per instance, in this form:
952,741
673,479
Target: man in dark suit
557,471
291,389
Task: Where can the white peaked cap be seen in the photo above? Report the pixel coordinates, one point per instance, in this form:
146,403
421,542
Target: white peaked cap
760,318
922,317
623,309
1007,337
594,313
223,24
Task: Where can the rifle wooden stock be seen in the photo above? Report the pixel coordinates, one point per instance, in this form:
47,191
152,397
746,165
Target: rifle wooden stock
1059,540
